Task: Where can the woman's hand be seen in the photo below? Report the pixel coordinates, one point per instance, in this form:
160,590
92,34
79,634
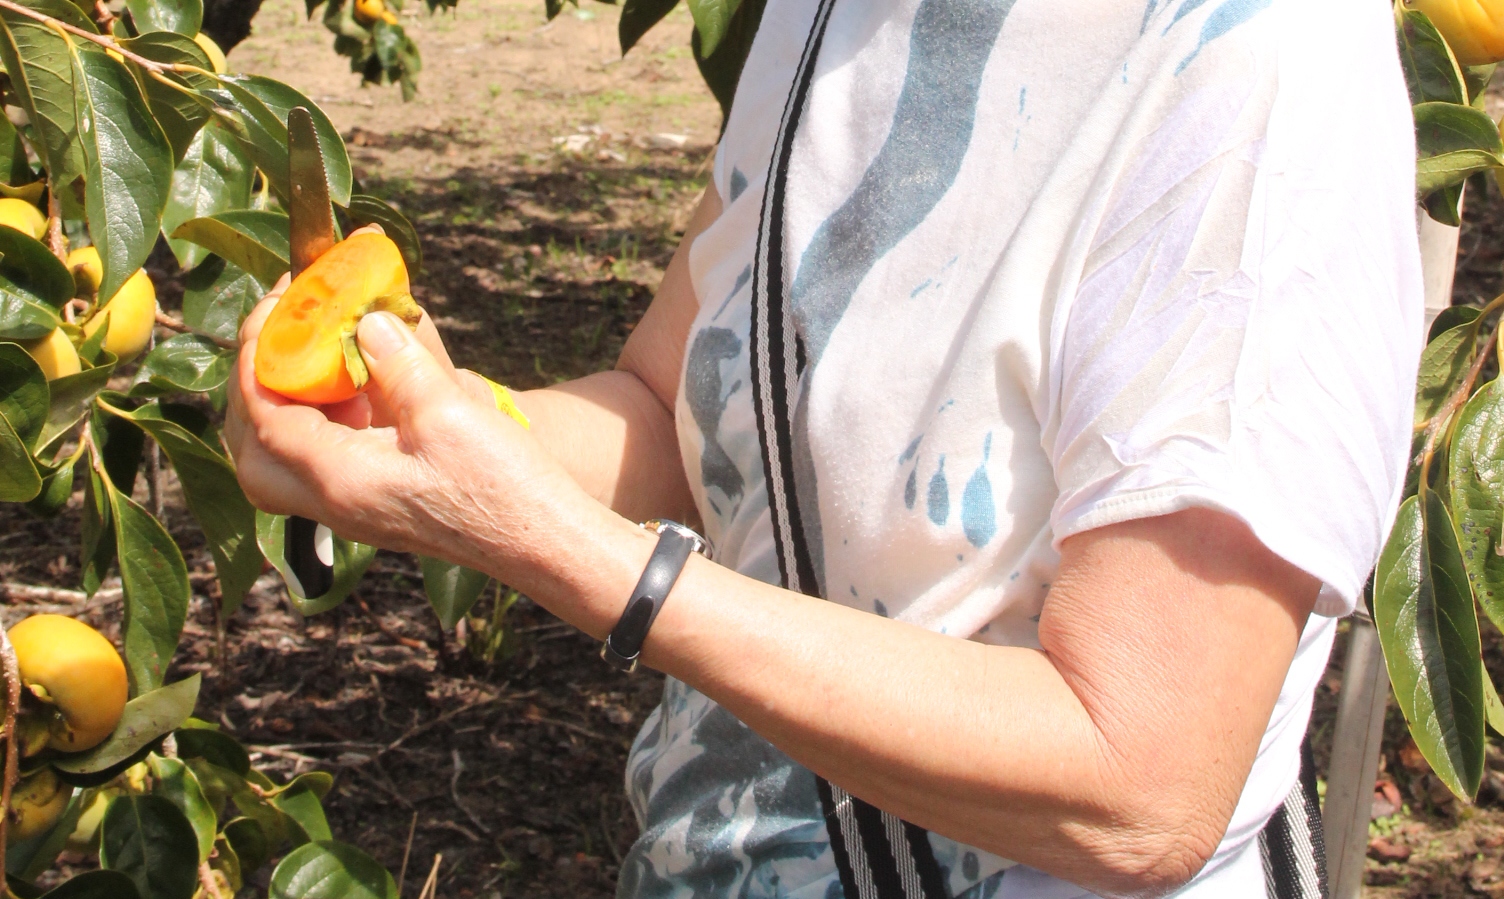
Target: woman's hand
422,462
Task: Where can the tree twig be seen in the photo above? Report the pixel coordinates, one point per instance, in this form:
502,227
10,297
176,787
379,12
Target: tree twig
206,877
177,324
57,241
109,43
12,751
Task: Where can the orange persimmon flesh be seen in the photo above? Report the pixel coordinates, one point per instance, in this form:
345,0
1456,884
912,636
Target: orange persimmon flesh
303,349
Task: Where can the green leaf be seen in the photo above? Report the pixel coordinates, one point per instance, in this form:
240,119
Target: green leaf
121,446
213,177
638,17
128,162
1451,317
301,804
19,479
95,885
1476,484
146,719
30,858
368,210
15,168
180,16
176,784
1445,206
155,579
72,397
213,496
149,839
1431,71
330,870
266,104
57,489
721,65
23,394
96,531
183,363
1424,614
248,840
452,589
214,746
218,296
34,285
712,21
350,562
254,240
1433,173
179,109
1442,366
1445,127
37,59
1476,79
1493,708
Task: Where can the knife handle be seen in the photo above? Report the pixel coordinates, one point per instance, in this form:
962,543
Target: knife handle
308,548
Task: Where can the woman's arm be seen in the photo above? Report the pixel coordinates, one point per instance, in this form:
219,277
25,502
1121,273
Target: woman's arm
1113,758
614,431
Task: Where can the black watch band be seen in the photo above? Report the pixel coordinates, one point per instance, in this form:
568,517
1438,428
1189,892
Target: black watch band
675,543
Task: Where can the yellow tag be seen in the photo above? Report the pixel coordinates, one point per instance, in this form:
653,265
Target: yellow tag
505,403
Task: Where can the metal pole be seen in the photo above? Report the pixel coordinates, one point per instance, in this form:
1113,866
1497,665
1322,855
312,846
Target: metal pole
1365,683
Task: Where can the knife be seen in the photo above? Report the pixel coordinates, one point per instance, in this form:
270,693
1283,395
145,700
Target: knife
307,545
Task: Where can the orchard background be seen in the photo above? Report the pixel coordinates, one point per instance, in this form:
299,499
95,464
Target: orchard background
549,180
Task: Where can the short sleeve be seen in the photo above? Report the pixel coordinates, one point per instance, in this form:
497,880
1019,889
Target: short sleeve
1246,331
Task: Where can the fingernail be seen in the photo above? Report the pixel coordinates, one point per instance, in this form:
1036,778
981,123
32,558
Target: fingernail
381,334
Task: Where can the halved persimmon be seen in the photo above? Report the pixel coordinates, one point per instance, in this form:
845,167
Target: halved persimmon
307,350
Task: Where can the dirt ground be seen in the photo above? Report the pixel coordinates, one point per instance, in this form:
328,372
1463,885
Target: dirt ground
549,180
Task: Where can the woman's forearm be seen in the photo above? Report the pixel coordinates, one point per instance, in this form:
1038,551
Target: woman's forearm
1036,766
617,439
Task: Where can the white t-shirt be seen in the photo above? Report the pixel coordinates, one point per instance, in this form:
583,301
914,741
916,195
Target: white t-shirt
1054,264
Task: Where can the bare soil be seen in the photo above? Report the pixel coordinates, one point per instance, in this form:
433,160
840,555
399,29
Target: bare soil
550,180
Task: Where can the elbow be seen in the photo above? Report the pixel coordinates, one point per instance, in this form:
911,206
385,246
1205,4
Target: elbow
1145,866
1151,852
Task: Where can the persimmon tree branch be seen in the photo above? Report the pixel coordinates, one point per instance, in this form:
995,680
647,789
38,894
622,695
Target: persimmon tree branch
12,670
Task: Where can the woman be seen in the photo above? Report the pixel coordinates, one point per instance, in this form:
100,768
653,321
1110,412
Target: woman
1065,349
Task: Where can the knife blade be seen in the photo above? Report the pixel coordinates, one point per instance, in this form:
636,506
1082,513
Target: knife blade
307,546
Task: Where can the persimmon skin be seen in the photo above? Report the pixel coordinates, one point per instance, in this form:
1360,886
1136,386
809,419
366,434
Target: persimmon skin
1473,28
81,674
300,353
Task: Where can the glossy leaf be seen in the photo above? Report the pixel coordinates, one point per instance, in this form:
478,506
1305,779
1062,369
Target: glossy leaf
23,393
149,839
368,210
248,840
254,240
1433,173
213,496
1476,485
121,447
15,169
712,21
638,17
350,562
1451,317
721,67
1431,71
146,719
95,885
57,489
180,16
218,296
72,397
178,109
452,589
183,363
330,870
20,480
38,61
1445,206
1493,708
265,104
301,803
214,746
1424,614
96,530
176,784
214,176
128,164
1442,366
155,579
34,285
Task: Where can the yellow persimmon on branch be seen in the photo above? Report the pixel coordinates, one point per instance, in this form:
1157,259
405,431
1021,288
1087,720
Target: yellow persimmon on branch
1473,28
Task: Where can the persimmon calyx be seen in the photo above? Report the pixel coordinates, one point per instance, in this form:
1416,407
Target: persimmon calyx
401,305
